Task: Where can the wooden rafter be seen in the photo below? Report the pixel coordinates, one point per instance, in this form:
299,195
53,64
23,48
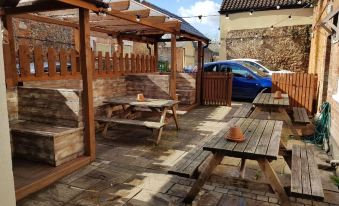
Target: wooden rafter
120,5
37,7
141,13
122,15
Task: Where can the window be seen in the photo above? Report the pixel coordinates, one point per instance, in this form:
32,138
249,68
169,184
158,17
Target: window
225,68
239,72
211,68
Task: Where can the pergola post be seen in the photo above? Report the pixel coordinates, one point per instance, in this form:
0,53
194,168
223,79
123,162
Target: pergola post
156,55
199,73
87,81
11,57
173,76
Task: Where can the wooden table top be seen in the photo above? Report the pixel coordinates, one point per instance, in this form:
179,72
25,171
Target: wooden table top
150,103
267,99
262,139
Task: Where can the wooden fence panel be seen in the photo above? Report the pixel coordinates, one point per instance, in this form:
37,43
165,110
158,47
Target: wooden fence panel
217,88
64,64
301,88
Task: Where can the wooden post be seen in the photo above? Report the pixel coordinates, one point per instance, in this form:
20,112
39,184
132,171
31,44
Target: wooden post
120,47
173,76
87,78
156,56
13,79
199,73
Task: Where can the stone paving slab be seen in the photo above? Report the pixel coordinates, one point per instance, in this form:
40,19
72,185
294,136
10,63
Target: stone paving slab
130,170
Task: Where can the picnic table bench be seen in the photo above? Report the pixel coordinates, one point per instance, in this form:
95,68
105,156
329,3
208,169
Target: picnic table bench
300,115
129,105
244,110
261,144
305,177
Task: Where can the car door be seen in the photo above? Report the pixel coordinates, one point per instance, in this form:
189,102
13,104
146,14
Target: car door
245,83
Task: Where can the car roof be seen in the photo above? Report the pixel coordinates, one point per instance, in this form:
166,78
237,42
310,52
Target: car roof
246,59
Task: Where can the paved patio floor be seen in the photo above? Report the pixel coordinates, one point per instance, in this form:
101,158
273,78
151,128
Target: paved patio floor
130,170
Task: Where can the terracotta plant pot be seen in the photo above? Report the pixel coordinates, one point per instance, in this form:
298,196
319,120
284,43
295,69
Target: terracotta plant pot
235,135
140,98
277,95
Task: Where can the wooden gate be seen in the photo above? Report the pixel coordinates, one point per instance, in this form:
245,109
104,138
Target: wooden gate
217,88
301,88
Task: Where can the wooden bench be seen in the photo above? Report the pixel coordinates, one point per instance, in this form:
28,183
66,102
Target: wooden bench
154,126
52,144
189,165
244,111
300,115
305,177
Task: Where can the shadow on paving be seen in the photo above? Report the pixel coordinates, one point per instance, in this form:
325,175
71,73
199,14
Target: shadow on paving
130,170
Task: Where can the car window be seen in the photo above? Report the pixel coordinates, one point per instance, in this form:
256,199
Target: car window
254,69
211,68
239,72
225,68
257,66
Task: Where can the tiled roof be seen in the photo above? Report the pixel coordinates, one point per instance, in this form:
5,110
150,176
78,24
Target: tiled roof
185,26
234,6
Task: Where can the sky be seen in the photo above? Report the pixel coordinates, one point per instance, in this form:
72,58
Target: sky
188,8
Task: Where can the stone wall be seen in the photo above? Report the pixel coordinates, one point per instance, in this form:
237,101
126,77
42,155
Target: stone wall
151,85
34,33
12,104
52,106
286,48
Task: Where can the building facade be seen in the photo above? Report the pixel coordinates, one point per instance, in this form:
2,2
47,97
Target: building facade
277,33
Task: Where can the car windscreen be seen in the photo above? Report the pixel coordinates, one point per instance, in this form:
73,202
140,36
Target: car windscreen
270,67
254,69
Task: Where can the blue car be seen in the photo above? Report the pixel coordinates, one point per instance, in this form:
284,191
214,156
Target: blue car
247,82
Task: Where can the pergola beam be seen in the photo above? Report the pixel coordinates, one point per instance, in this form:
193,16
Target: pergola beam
120,5
121,15
37,7
59,22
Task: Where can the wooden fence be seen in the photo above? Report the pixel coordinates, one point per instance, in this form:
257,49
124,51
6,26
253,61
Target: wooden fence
36,64
217,88
301,88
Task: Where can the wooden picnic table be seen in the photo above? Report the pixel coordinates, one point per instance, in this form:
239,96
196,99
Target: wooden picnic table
262,142
267,101
129,105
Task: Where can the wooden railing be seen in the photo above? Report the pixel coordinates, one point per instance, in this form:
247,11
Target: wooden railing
36,64
217,88
301,88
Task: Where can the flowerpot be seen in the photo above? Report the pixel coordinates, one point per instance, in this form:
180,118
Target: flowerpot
277,95
140,98
235,135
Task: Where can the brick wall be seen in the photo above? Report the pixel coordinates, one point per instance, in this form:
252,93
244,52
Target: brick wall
285,48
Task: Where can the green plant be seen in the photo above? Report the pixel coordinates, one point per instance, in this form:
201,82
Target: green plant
258,175
335,180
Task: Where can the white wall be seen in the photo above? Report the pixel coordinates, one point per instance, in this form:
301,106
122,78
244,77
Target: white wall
262,19
7,192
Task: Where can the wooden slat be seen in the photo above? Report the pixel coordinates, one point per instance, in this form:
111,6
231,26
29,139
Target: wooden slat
51,62
265,139
252,145
148,124
316,185
74,63
100,65
121,63
133,64
24,60
108,63
63,62
38,62
305,176
296,184
143,65
138,64
273,148
127,64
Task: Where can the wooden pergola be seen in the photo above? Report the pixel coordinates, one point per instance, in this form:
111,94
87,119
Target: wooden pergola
122,19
